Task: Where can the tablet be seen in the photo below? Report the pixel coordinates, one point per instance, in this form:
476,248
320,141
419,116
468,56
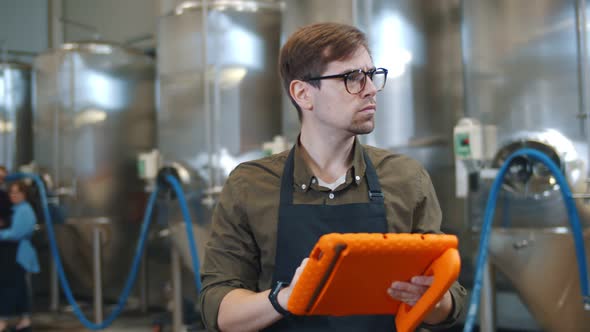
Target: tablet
349,274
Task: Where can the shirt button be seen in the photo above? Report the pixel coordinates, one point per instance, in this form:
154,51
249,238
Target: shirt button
303,186
331,195
357,178
313,181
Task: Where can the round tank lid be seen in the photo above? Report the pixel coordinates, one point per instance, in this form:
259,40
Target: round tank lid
532,178
239,5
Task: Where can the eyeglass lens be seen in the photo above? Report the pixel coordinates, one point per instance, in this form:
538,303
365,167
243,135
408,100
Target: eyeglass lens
355,82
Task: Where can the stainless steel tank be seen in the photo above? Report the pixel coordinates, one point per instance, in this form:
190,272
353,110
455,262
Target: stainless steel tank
16,131
219,97
522,75
94,112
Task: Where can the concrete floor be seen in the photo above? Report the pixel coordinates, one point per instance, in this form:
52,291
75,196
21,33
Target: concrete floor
67,322
128,322
135,322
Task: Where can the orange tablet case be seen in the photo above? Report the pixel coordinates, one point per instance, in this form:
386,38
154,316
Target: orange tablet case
349,274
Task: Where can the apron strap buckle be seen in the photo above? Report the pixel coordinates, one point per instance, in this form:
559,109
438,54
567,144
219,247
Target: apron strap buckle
375,194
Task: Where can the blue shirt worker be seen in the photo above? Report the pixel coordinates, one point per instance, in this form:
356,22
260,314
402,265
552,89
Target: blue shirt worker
17,257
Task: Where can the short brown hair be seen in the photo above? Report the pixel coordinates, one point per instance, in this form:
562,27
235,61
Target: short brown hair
22,187
310,49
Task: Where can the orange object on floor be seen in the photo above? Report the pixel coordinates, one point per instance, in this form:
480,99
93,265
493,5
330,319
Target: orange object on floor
349,274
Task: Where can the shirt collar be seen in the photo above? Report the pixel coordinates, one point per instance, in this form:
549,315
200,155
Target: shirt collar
303,176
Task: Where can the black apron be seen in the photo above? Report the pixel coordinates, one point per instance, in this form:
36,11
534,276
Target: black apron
299,228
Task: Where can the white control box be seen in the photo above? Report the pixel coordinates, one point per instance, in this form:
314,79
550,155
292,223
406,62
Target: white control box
468,140
148,165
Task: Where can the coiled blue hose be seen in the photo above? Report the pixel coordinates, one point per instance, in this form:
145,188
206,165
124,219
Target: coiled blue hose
573,217
138,251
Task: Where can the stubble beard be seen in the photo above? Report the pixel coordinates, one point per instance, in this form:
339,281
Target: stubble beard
363,125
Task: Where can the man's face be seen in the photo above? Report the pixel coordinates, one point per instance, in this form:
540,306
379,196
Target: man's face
335,108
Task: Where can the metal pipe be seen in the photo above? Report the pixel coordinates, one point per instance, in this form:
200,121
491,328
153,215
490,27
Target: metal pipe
206,102
176,290
97,250
54,26
53,286
582,52
487,309
216,125
139,39
4,94
83,26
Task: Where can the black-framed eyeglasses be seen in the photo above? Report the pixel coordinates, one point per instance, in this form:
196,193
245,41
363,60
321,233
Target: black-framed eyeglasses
355,80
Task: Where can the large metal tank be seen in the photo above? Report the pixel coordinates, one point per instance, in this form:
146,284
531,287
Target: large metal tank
522,75
219,98
94,112
16,140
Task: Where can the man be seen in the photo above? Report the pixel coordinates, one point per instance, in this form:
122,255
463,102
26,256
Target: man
272,211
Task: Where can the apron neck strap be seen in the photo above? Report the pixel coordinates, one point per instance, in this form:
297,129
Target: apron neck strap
375,194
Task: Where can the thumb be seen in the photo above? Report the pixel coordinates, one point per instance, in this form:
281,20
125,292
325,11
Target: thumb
298,271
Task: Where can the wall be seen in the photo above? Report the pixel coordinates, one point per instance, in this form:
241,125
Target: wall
23,25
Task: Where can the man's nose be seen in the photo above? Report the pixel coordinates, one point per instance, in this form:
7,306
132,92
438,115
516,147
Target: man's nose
370,90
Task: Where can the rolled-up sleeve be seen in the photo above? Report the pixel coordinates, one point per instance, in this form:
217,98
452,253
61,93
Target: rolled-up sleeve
231,255
427,219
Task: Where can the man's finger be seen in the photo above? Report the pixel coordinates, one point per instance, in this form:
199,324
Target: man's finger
423,280
408,287
405,297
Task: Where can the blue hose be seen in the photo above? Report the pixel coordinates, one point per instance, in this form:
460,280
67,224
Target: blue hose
189,228
574,220
62,277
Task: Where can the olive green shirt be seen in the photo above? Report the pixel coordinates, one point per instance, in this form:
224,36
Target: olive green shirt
242,246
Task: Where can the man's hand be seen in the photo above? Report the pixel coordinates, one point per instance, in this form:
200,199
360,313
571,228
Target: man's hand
285,293
411,292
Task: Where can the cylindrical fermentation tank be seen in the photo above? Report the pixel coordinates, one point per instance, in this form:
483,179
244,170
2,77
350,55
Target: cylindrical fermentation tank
94,112
219,96
16,145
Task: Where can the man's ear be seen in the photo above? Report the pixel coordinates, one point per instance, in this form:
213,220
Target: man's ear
301,92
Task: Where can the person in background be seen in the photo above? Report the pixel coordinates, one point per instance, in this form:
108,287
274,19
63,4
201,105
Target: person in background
5,204
272,211
17,257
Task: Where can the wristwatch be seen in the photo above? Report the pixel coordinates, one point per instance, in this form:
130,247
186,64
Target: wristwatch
273,298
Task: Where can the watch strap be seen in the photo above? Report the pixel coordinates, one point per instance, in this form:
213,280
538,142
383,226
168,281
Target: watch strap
273,297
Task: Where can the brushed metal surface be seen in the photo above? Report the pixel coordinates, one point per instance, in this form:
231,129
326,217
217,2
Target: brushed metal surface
541,263
218,92
94,112
16,129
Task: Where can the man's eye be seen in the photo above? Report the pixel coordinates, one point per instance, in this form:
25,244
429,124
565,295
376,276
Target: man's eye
356,77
